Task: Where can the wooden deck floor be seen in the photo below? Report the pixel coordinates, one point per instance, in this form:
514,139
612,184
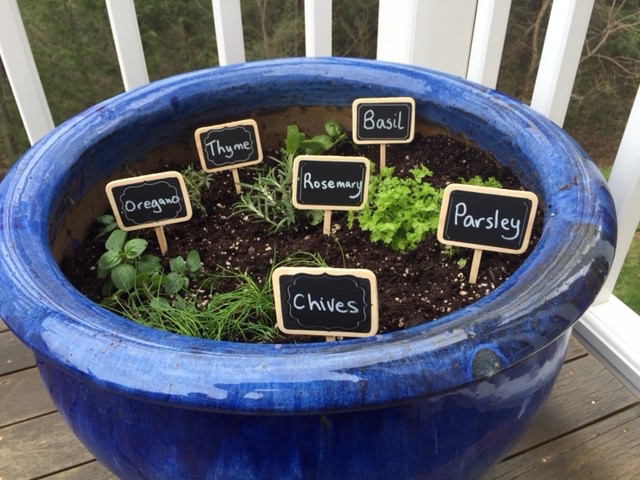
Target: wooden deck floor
588,429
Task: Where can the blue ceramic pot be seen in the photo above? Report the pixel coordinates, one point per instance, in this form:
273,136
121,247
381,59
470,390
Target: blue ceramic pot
440,400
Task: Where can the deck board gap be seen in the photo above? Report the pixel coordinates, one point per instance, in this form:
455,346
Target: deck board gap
578,357
58,472
19,370
26,420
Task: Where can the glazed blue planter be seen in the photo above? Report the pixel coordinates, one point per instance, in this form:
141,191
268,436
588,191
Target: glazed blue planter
441,400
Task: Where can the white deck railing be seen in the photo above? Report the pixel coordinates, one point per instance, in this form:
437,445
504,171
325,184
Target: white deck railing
465,38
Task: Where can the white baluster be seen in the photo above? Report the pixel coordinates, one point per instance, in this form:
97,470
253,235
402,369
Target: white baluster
126,36
22,72
563,44
429,33
489,31
317,28
227,18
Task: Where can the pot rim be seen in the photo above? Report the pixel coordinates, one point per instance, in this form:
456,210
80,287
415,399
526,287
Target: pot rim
566,269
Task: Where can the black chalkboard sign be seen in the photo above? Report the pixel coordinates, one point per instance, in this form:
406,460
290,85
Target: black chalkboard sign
487,218
326,301
383,120
330,182
229,145
149,200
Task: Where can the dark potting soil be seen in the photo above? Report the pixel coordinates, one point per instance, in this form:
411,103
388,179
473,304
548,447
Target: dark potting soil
414,286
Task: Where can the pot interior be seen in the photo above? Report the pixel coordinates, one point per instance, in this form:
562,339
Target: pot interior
81,212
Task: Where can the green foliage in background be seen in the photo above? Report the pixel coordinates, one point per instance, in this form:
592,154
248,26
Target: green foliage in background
74,52
608,72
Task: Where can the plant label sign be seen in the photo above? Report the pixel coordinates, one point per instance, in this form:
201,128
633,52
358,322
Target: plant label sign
149,200
486,218
326,301
229,145
330,182
383,120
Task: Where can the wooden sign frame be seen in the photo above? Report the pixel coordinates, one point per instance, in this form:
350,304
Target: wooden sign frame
526,234
145,180
360,102
329,207
329,158
221,128
328,306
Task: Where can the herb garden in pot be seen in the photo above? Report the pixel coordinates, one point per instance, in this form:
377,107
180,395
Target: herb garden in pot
443,397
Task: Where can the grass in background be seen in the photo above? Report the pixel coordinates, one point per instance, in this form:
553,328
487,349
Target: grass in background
626,288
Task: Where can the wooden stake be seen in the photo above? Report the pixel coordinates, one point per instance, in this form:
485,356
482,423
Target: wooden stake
475,265
326,229
383,155
236,179
330,339
162,240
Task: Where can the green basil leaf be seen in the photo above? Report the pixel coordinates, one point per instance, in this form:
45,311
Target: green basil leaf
123,277
149,264
116,240
178,265
193,261
134,248
109,259
173,283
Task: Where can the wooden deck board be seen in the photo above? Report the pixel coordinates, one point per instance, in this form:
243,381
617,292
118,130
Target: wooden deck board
588,428
37,447
33,400
604,450
14,356
584,393
575,350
